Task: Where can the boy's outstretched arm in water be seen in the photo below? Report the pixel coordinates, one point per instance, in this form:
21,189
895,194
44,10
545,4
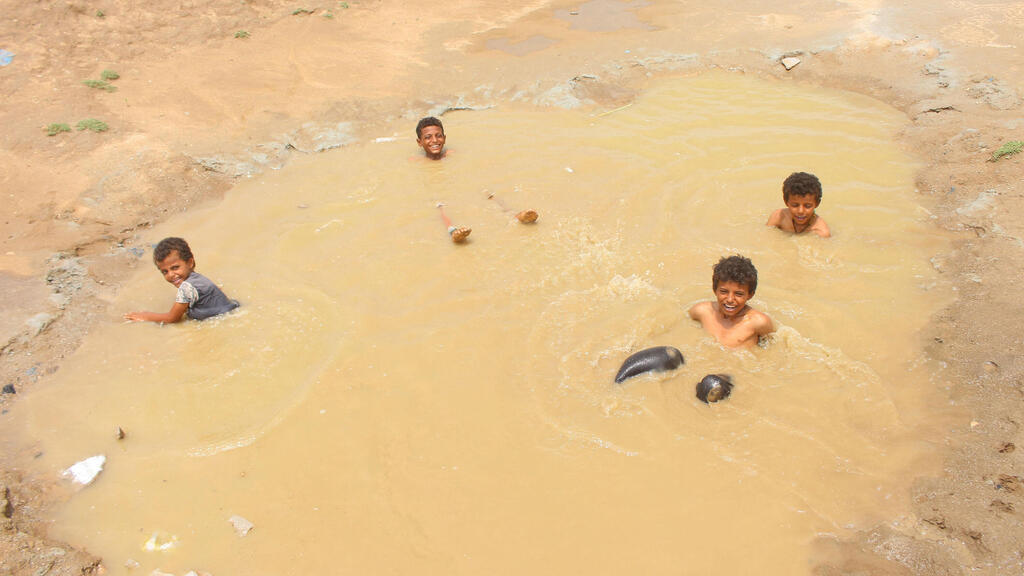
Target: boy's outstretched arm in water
175,314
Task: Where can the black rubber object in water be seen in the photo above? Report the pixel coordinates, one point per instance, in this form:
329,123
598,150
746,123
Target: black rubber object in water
714,387
657,359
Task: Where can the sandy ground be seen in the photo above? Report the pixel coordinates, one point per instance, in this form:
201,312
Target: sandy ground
197,106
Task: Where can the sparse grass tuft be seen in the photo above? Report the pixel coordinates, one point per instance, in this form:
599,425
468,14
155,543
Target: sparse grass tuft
1009,149
298,11
109,75
57,128
100,14
92,124
241,34
328,14
343,4
100,85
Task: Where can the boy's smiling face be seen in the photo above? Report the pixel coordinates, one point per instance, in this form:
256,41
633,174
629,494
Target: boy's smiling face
732,298
432,141
802,209
174,269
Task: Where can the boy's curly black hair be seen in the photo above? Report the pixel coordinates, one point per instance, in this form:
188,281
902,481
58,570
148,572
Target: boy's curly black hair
801,184
172,244
428,121
735,269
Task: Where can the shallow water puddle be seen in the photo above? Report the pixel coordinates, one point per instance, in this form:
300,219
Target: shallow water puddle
388,402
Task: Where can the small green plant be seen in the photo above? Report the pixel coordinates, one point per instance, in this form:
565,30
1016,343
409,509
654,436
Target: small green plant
100,14
241,34
328,14
92,124
343,4
109,75
298,11
57,128
1009,149
100,85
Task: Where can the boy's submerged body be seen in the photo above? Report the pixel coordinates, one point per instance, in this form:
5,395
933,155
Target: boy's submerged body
198,297
801,192
729,319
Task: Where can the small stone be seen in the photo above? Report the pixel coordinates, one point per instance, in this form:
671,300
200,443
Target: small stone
991,366
9,389
241,525
120,433
790,62
975,423
6,508
39,322
131,564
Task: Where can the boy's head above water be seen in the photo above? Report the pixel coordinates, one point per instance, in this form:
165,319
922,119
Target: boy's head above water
801,184
737,270
174,259
430,137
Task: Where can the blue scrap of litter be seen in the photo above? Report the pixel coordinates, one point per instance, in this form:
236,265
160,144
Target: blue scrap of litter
6,57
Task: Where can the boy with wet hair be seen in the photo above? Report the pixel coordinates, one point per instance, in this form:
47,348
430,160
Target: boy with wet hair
430,137
801,192
198,296
729,319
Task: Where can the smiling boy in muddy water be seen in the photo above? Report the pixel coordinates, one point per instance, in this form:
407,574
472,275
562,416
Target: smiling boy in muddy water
801,192
430,137
729,319
198,297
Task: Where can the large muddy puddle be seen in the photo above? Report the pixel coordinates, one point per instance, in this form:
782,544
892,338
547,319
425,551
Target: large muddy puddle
388,402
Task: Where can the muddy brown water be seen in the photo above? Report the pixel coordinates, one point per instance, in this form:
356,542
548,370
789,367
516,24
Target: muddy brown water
388,402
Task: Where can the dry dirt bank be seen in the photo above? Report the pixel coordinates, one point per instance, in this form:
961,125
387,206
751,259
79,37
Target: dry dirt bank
196,107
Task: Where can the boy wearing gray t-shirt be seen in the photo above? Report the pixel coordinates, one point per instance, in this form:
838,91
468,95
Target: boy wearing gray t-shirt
198,296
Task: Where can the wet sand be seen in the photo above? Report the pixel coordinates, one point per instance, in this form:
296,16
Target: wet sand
197,107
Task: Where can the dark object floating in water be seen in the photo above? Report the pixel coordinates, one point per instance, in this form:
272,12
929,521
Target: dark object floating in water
714,387
658,359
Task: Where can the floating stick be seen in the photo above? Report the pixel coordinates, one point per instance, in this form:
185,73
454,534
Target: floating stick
526,216
458,233
614,111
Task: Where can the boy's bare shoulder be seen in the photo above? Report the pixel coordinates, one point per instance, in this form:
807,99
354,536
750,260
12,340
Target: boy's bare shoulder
781,219
821,228
759,321
701,309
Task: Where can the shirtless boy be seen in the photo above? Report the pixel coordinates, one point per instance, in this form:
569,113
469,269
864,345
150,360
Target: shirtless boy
801,193
729,319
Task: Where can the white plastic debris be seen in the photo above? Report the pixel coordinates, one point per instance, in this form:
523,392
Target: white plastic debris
85,472
242,526
160,541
